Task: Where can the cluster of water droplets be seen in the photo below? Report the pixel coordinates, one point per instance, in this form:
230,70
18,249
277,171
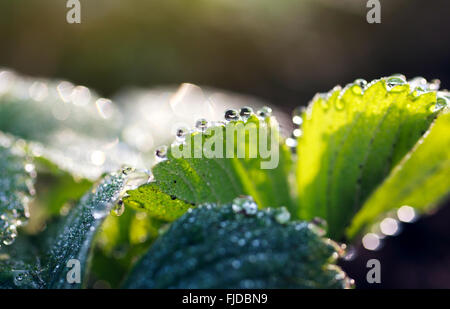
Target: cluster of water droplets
64,101
396,83
389,226
418,86
245,204
202,125
16,188
127,179
134,178
297,120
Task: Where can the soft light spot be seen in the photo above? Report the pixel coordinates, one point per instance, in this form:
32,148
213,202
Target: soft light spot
29,167
406,214
80,95
290,142
38,91
371,241
98,157
389,226
297,133
104,107
64,90
6,81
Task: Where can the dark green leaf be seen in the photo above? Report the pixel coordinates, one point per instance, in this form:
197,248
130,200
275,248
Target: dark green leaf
218,179
16,188
75,236
238,246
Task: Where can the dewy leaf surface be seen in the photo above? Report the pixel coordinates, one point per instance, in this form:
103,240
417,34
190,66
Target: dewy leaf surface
195,180
352,138
20,266
238,246
74,237
66,124
16,188
420,180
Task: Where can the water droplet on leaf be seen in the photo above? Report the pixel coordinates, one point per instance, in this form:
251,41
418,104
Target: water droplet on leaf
394,83
245,112
201,125
181,134
161,153
231,115
118,209
264,112
282,215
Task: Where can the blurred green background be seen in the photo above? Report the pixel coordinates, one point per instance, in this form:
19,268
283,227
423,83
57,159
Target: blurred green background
281,51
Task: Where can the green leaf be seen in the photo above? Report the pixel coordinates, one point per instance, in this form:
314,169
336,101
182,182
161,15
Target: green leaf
34,109
75,236
20,265
420,180
157,203
180,181
237,246
16,188
352,139
121,241
67,125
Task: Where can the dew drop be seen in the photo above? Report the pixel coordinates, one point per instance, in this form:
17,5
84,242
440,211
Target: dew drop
245,204
340,104
406,214
245,112
161,153
371,241
418,83
434,85
362,83
231,115
282,215
118,209
442,100
359,86
323,97
38,91
201,125
264,112
297,133
127,170
291,142
393,82
297,115
181,134
20,277
389,226
9,235
236,208
99,213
